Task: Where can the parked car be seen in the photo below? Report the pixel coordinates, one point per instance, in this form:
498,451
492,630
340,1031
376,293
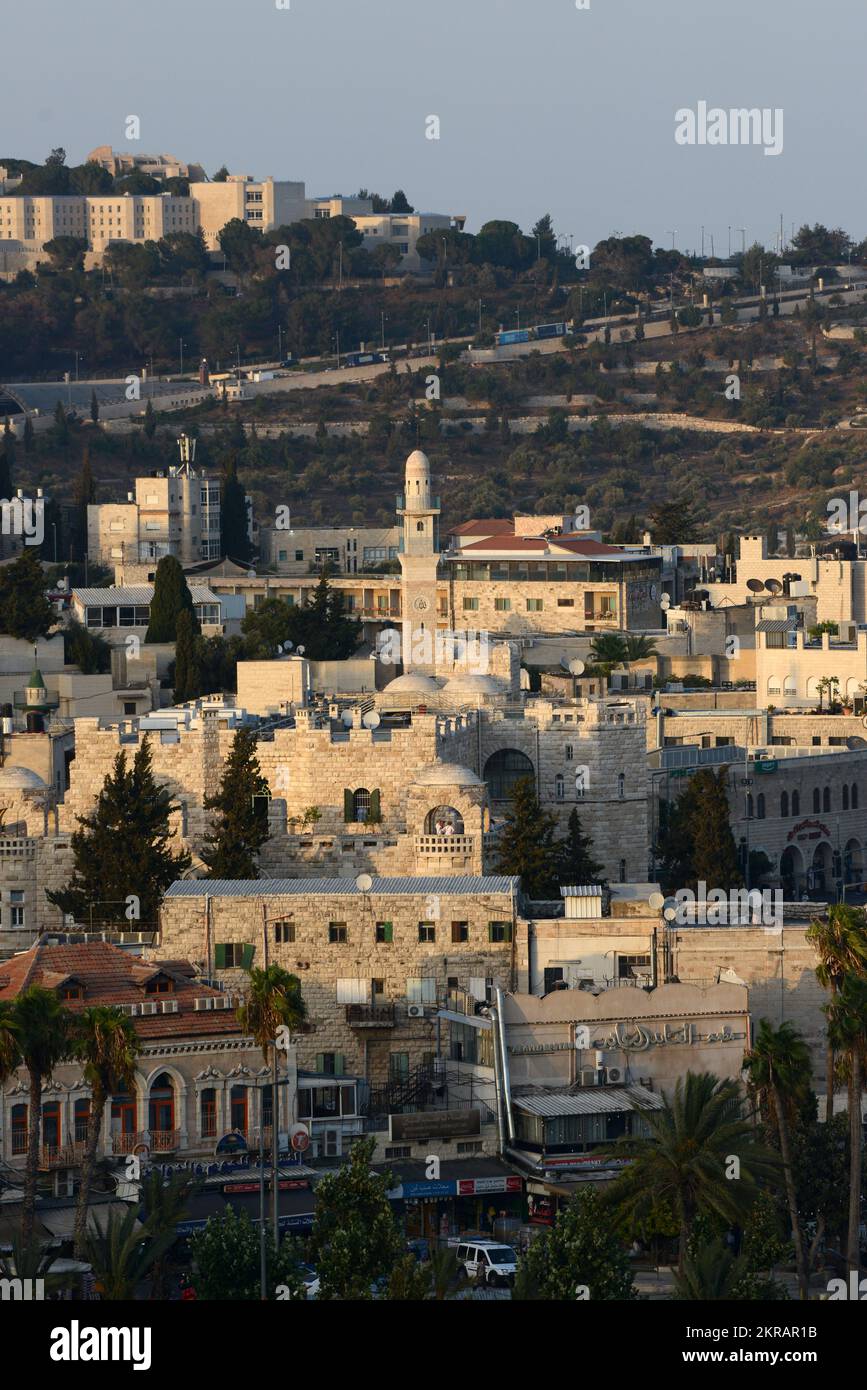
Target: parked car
487,1260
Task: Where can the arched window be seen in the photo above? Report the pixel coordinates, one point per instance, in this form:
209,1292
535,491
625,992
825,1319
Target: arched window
503,769
826,799
208,1112
559,787
760,806
845,797
621,784
82,1119
444,820
51,1124
817,799
161,1106
854,796
796,803
123,1107
419,525
238,1104
19,1129
360,804
784,804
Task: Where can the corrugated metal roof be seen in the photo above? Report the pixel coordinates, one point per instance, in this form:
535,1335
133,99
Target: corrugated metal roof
582,890
135,594
775,625
589,1100
296,887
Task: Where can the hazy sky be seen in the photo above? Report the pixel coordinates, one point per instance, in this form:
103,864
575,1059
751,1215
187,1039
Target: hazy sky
543,107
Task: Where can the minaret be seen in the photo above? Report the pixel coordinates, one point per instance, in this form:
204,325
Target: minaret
419,560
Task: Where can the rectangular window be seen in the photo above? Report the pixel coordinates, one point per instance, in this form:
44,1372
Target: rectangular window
330,1063
337,933
421,990
502,605
471,605
427,932
565,603
499,931
460,932
353,992
284,932
384,933
535,605
230,955
398,1066
399,1151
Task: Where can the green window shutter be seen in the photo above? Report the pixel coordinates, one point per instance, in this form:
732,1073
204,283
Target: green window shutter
348,806
219,957
339,1064
490,931
375,809
507,935
388,932
247,956
320,1061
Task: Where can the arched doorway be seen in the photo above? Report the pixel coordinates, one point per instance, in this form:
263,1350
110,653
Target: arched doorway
503,769
161,1107
792,872
821,876
444,820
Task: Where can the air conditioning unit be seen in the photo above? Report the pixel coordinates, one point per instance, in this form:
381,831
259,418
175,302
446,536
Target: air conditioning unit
590,1077
170,1006
614,1076
147,1009
415,1010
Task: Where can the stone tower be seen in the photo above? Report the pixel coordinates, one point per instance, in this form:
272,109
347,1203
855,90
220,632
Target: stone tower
419,560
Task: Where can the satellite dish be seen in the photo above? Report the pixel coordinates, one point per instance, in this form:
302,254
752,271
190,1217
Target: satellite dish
364,883
577,667
301,651
669,909
251,574
285,646
371,720
348,718
656,901
665,603
773,586
755,586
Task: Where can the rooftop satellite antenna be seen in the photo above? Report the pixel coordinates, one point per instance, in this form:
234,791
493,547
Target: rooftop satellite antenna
348,718
665,603
577,667
371,720
364,883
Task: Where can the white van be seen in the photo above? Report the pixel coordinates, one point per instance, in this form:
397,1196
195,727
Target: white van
487,1259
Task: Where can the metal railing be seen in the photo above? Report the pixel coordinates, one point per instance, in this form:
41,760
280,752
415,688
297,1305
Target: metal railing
370,1015
444,844
157,1140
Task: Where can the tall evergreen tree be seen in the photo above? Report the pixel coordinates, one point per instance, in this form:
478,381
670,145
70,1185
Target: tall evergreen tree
576,863
24,609
94,407
527,845
29,438
84,495
240,826
234,540
123,849
171,597
150,421
188,662
6,457
696,843
61,424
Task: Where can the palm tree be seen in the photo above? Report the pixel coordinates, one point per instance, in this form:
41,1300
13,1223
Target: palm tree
10,1047
684,1159
608,650
43,1037
711,1275
840,942
847,1027
121,1253
639,647
778,1071
165,1204
105,1042
274,1001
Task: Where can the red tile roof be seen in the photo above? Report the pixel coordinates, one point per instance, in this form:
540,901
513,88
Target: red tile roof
496,526
508,543
112,976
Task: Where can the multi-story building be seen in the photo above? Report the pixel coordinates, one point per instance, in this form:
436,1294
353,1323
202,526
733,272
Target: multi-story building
27,222
175,512
342,550
158,166
119,611
262,203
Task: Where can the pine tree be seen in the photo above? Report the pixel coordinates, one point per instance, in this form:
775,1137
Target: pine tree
240,828
122,855
24,609
234,540
171,597
84,496
526,845
696,843
188,662
150,423
576,862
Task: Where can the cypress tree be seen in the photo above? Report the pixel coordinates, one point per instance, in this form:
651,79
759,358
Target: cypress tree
234,540
240,829
94,408
188,663
61,424
576,862
24,609
526,845
150,423
123,849
171,597
83,497
714,852
29,440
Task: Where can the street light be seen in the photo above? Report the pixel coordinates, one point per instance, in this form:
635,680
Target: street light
672,234
182,345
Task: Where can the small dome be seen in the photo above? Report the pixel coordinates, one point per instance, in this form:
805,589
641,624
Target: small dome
418,464
414,682
447,775
21,779
465,683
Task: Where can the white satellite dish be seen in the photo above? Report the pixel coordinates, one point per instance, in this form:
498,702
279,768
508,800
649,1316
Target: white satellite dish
656,901
577,667
665,603
371,720
301,651
669,910
348,718
364,883
251,574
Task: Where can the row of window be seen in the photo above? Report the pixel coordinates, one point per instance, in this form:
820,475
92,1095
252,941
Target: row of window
791,806
235,955
603,605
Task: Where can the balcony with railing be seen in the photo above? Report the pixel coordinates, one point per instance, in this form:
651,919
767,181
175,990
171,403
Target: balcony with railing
445,845
159,1141
68,1155
370,1015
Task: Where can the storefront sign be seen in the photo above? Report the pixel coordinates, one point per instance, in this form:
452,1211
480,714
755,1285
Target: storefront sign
285,1185
412,1191
809,830
471,1187
640,1036
430,1124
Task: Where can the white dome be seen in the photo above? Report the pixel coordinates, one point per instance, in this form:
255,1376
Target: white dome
418,464
21,779
413,682
464,683
447,775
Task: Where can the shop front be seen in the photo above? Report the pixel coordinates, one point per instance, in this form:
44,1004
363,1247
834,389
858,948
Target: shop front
465,1197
